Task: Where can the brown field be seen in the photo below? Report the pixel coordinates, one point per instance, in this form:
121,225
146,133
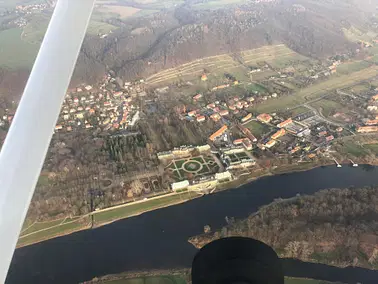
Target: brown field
123,11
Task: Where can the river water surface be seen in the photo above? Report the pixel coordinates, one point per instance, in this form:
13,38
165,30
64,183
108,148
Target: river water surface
158,239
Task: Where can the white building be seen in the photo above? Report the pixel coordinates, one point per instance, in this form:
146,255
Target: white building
204,148
223,176
180,185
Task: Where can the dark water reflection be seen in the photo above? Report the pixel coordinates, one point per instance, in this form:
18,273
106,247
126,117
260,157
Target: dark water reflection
158,239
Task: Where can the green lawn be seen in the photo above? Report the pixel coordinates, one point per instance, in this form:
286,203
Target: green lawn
298,110
257,88
347,68
354,149
43,180
53,232
179,163
134,209
258,129
361,87
40,226
327,107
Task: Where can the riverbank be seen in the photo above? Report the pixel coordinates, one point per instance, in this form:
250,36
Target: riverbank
105,217
158,239
112,214
173,276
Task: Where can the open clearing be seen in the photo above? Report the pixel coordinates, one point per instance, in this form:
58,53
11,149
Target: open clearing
258,129
122,11
276,55
354,149
317,90
327,107
44,233
14,52
351,67
135,209
40,231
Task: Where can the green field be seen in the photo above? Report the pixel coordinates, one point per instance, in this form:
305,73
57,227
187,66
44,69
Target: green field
354,149
316,90
361,87
372,147
53,232
168,279
257,88
347,68
327,107
98,27
258,129
134,209
298,110
40,226
14,52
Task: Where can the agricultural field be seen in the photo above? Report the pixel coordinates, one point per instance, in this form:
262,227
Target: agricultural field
350,67
277,55
15,52
317,90
258,129
122,12
190,168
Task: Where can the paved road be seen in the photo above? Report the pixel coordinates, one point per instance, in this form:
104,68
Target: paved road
319,114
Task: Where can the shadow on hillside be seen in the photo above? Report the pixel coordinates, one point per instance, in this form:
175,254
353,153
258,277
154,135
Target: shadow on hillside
300,269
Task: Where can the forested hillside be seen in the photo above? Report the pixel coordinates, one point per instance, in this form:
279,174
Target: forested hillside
335,226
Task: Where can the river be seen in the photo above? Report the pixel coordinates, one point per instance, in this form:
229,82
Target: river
158,239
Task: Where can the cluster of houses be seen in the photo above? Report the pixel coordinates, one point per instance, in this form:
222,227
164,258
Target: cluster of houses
215,111
88,107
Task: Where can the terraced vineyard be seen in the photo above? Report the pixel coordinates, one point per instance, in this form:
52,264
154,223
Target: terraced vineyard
276,55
